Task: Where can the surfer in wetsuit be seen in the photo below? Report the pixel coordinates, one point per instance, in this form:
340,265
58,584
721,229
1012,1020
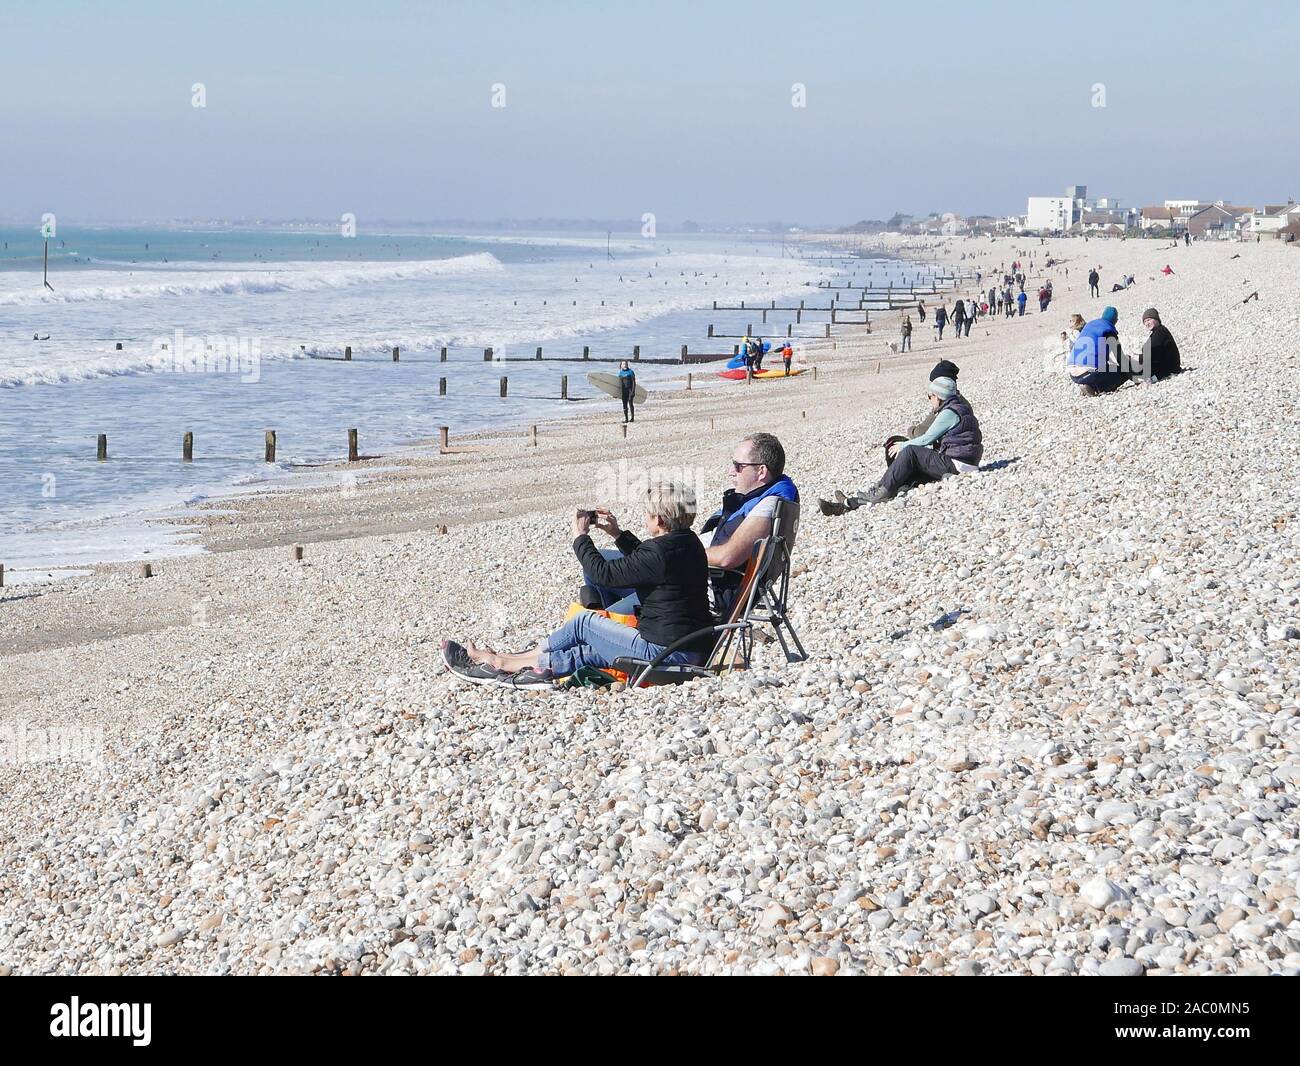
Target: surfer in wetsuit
627,390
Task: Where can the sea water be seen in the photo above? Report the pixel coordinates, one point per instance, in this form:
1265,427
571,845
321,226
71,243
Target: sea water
228,333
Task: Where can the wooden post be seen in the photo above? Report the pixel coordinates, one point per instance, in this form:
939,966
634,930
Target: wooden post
2,575
789,330
532,436
187,448
442,438
145,570
101,448
396,354
636,353
625,431
828,327
586,351
688,382
539,351
270,445
710,329
296,554
814,370
564,386
442,386
504,383
683,353
442,356
487,355
877,366
119,346
352,446
347,353
749,329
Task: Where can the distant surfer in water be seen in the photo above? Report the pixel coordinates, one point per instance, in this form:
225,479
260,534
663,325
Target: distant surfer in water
627,390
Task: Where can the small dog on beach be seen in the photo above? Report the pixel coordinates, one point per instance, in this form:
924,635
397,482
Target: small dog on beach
892,347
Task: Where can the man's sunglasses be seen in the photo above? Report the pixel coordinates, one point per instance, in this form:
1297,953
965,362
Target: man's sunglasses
737,467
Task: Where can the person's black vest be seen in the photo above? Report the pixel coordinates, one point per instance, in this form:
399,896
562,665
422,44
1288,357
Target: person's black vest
964,442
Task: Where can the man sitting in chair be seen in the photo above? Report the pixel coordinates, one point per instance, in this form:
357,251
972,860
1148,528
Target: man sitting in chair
758,478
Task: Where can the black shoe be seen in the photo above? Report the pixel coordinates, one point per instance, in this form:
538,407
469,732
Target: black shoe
829,509
465,668
529,678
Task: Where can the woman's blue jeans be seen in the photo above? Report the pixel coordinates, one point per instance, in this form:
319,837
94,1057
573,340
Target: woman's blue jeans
589,639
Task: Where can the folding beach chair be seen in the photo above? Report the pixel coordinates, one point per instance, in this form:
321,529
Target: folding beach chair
761,599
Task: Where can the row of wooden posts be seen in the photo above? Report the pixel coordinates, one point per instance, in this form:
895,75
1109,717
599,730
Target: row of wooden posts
489,354
187,441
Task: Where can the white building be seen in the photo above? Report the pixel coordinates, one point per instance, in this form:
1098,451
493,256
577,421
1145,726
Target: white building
1048,213
1272,220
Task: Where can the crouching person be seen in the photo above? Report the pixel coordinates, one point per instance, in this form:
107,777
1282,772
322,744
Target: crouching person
669,573
1097,359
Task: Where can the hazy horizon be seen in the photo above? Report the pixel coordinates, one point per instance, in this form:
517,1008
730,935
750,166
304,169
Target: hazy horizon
685,112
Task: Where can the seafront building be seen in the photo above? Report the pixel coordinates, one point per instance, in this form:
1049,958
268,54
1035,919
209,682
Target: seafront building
1075,213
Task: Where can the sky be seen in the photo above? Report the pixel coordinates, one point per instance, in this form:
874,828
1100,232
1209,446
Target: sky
384,109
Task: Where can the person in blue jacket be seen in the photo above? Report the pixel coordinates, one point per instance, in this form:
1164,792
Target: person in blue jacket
1097,360
1022,299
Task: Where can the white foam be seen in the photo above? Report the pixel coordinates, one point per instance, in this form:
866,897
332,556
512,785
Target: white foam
23,288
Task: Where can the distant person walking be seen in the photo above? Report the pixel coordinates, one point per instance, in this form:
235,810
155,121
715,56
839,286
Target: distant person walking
940,320
958,317
920,311
907,334
1094,282
1022,299
627,390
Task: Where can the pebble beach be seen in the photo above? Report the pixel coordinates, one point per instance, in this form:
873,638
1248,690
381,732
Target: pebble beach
1050,723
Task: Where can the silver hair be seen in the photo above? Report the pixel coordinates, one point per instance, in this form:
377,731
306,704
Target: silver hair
672,503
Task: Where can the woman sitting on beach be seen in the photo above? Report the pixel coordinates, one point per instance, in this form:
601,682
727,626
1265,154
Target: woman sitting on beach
1072,334
948,442
670,573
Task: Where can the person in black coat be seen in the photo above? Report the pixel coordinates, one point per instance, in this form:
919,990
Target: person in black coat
1160,356
670,573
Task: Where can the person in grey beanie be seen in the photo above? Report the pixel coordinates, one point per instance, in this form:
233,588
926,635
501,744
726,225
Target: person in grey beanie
953,444
1160,356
